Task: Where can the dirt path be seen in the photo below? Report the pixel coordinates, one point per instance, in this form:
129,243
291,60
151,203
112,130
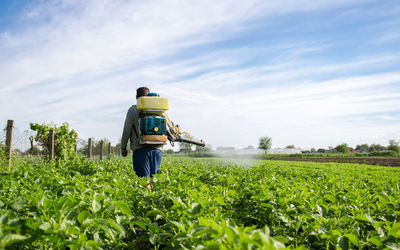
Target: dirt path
394,162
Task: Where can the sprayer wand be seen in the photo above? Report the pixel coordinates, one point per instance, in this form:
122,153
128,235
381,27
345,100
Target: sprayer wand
174,134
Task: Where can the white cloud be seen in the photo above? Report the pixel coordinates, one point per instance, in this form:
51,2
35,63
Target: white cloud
81,62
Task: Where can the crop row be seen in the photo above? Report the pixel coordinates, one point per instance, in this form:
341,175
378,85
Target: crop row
204,203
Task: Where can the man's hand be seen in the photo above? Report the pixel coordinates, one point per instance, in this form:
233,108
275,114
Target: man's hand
124,152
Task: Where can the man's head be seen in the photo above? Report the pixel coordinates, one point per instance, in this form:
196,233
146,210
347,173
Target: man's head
142,91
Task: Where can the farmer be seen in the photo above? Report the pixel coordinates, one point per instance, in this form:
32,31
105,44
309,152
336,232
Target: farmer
146,158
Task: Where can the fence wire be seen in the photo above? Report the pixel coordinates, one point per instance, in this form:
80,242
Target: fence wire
3,133
23,143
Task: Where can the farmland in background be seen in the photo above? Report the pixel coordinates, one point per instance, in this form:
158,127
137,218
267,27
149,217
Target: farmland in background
212,203
385,158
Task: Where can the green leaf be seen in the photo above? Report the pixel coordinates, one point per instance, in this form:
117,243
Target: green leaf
124,207
366,218
353,238
96,206
395,231
264,236
196,208
98,237
321,210
178,225
109,232
392,246
343,242
375,240
212,246
9,239
220,200
16,222
153,214
4,219
140,224
33,223
46,203
154,238
281,239
19,205
93,244
83,215
73,230
231,234
45,226
118,227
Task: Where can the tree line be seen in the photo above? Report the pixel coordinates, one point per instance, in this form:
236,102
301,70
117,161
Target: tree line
265,144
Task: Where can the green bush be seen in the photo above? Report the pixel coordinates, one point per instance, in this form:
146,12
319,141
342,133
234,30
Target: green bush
384,154
394,146
64,138
342,148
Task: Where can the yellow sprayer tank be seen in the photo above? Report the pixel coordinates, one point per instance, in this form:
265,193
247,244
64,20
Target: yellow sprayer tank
152,105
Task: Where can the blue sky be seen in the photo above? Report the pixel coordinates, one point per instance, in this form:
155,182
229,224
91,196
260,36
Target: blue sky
308,73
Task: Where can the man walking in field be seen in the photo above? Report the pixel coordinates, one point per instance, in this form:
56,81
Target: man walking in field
146,158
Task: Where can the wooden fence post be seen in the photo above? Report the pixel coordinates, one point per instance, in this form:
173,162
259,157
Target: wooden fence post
101,149
31,141
89,153
10,125
51,144
109,150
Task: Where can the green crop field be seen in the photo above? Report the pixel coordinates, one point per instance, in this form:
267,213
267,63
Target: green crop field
198,203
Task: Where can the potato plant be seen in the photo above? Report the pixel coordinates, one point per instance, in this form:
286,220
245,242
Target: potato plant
198,203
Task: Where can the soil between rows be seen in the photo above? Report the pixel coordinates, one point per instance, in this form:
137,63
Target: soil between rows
392,162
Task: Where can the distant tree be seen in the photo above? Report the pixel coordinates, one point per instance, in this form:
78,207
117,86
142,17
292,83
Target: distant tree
82,146
207,148
342,148
313,150
97,146
117,148
169,151
394,146
290,146
250,147
34,150
265,143
188,147
185,147
363,147
376,147
321,150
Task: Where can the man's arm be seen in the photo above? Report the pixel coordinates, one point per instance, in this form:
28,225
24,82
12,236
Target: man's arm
127,132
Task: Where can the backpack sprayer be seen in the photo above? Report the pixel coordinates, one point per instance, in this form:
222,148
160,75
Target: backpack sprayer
155,128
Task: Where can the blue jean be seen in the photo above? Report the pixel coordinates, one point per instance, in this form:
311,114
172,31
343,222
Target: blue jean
146,161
